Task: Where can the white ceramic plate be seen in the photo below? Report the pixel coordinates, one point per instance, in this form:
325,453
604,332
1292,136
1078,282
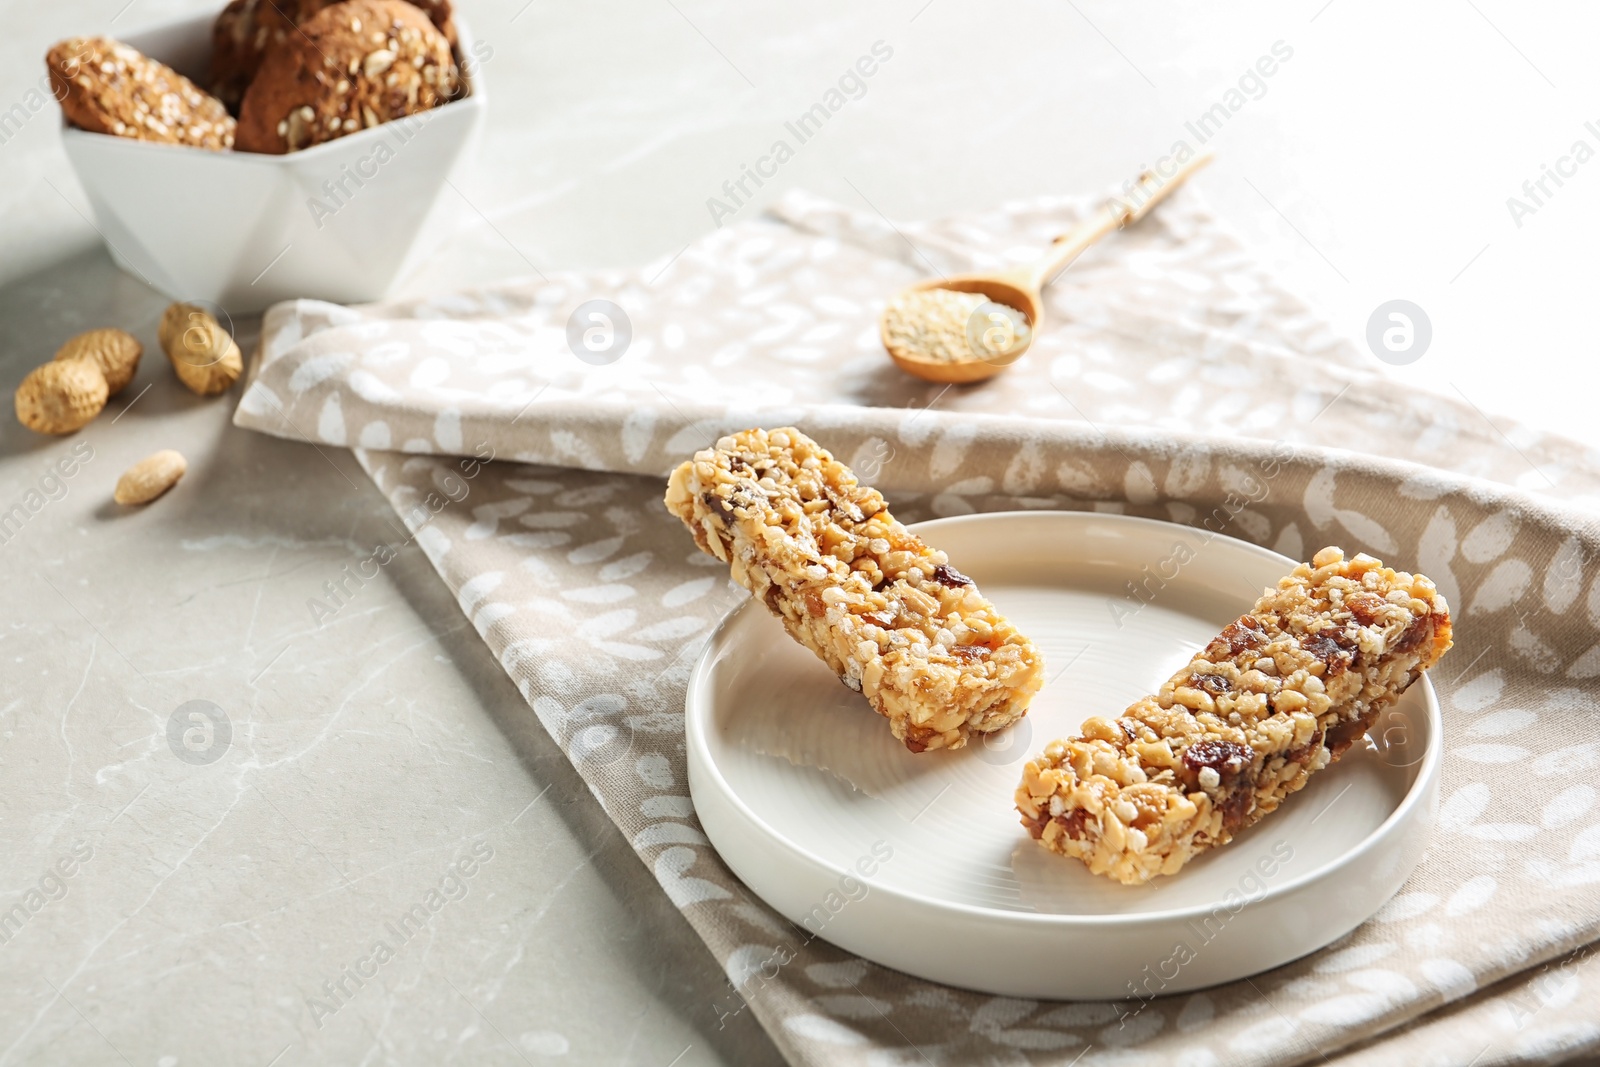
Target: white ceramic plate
918,862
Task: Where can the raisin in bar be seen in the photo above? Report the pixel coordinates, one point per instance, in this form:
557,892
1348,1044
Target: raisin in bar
1277,696
888,614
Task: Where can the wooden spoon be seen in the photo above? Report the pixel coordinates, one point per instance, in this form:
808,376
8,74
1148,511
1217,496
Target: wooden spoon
1020,287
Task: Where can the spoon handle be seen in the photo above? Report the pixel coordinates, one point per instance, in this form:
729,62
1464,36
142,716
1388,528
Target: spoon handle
1148,190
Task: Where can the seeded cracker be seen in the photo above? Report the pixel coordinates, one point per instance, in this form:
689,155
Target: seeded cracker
349,67
888,614
1277,696
247,30
106,87
240,39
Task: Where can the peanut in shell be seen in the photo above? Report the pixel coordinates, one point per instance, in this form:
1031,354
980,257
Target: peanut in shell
204,356
62,396
116,352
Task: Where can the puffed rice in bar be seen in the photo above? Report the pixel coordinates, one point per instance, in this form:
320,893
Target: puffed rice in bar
1277,696
887,613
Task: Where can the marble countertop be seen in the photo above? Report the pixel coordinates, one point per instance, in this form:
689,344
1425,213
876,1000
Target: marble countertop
221,902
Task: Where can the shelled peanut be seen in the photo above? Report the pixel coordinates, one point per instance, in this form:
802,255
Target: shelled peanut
150,477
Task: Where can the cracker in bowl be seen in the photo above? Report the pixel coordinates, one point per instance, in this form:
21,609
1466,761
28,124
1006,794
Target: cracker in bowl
105,86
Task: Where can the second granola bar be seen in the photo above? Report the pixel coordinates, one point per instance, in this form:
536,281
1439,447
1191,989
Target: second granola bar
1277,696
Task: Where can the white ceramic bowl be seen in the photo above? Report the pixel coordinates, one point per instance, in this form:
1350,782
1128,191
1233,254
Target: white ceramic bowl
341,221
919,862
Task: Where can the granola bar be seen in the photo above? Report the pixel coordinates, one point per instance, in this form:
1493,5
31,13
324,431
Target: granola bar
887,613
1277,696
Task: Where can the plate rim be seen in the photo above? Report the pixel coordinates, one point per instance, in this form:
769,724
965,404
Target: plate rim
696,714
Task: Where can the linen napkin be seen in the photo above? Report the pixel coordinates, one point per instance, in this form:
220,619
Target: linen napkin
1172,366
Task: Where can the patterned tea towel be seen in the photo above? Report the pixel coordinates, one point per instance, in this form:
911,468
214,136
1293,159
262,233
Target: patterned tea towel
1175,376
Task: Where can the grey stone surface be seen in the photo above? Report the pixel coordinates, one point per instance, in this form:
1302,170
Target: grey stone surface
209,902
370,755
